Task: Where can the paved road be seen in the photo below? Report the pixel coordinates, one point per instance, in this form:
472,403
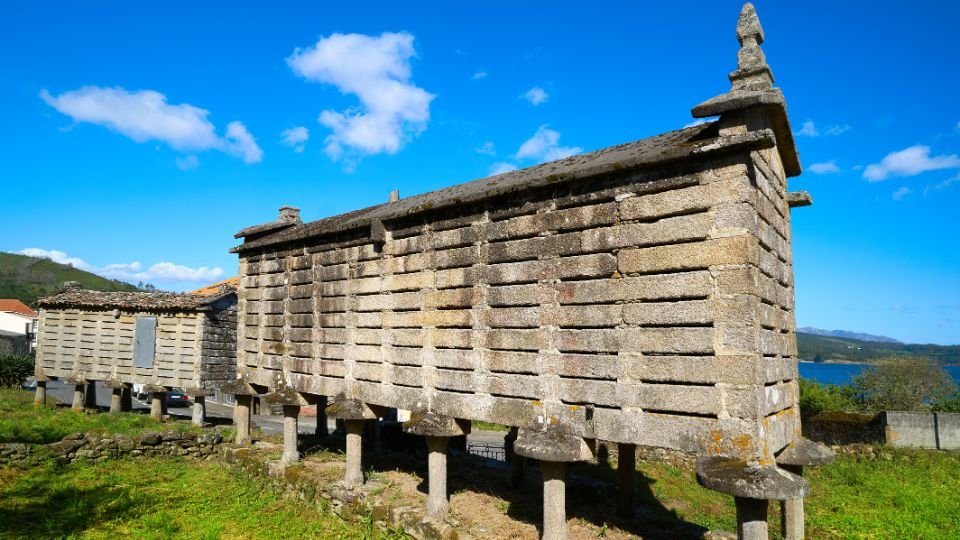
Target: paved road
268,423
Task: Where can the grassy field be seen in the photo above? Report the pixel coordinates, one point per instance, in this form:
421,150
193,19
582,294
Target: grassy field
20,421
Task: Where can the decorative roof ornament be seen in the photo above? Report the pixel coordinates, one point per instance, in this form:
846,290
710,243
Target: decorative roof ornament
752,72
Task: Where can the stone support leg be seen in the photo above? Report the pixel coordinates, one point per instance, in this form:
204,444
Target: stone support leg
157,405
291,455
241,418
40,395
437,501
126,399
517,462
626,478
751,518
199,410
554,500
77,397
116,399
90,396
354,475
791,511
322,430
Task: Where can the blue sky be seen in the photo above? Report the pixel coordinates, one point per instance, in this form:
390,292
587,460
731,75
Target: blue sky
139,139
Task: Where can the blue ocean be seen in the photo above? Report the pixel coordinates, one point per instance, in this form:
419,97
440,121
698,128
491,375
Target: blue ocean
844,373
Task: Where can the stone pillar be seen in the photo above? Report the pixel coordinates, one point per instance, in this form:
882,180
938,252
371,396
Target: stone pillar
157,405
626,478
77,397
322,430
126,399
40,395
199,410
354,474
791,515
554,500
802,452
437,498
517,462
290,453
751,518
116,399
241,418
90,396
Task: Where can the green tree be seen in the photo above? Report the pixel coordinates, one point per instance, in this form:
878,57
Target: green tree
900,384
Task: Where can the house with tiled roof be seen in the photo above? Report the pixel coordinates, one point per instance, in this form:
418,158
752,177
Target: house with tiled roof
18,327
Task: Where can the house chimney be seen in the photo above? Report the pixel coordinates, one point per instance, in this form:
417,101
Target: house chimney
290,214
394,195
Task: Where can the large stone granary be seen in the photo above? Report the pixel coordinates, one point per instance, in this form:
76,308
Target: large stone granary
159,340
641,294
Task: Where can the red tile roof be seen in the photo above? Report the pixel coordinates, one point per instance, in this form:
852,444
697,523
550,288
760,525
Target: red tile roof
215,288
16,306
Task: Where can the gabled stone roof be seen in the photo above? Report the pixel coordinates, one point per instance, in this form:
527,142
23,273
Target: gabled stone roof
693,142
141,301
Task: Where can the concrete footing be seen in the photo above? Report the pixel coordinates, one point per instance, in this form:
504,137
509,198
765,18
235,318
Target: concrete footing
354,473
199,411
157,405
77,397
554,499
291,454
40,395
626,479
241,418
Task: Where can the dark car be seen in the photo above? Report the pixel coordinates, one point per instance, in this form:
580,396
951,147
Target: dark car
176,398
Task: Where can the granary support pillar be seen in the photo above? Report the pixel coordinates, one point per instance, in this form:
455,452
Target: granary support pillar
158,400
291,454
802,452
321,430
353,413
90,396
40,394
126,399
243,395
116,394
626,479
437,429
199,396
554,447
517,462
77,398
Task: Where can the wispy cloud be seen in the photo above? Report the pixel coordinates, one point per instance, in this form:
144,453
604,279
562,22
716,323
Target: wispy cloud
899,194
942,185
161,272
145,115
479,75
487,149
188,163
827,167
536,95
295,137
501,167
544,146
377,70
809,129
909,162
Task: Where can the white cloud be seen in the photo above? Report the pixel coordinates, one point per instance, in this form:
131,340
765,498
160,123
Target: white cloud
901,193
501,167
809,129
479,75
487,149
145,115
296,138
545,146
827,167
942,185
377,70
536,95
161,272
187,163
909,162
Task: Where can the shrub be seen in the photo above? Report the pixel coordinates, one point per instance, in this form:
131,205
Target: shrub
950,404
816,398
14,370
898,384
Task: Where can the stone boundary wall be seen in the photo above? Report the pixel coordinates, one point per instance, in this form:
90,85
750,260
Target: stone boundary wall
80,447
937,430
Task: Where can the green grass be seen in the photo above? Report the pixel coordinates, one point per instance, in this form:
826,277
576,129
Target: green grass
21,421
488,426
156,498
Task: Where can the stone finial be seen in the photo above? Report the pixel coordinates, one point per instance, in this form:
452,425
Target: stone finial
394,195
72,285
290,214
752,72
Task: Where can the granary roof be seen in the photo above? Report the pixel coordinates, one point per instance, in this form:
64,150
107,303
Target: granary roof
12,305
143,301
682,144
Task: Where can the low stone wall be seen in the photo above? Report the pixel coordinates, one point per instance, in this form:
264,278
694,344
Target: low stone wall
939,431
837,428
87,447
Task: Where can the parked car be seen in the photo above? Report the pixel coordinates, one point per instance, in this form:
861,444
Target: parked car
176,398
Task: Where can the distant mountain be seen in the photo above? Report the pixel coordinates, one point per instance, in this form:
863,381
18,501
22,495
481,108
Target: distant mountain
847,334
813,347
28,278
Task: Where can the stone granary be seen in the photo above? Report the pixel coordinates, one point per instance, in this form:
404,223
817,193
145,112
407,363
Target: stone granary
641,294
159,340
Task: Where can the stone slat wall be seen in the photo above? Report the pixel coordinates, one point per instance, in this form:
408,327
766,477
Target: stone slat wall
656,311
218,345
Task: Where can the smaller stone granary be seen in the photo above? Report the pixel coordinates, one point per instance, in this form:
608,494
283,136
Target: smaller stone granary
155,339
